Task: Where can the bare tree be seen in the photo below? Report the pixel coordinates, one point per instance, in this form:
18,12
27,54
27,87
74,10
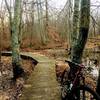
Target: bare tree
77,49
32,23
10,14
75,32
47,18
78,46
40,22
2,27
0,44
15,39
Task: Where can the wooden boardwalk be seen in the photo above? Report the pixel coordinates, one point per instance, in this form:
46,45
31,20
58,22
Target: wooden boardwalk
42,84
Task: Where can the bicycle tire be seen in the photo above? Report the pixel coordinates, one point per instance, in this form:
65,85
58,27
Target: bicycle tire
62,77
83,88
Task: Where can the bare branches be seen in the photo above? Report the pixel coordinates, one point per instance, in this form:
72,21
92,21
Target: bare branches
61,18
8,7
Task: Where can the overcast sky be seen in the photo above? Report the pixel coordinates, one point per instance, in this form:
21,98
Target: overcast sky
58,3
61,3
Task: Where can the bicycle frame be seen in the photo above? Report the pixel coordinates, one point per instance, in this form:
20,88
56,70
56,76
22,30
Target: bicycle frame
78,74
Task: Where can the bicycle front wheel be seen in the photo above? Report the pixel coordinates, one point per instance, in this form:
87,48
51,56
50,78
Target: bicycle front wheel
86,93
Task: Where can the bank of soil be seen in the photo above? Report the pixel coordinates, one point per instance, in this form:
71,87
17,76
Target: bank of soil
10,90
41,83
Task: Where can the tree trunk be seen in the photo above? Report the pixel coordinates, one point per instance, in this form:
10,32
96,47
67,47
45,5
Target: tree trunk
0,46
98,84
20,26
79,44
10,15
78,47
47,19
40,24
98,81
15,40
75,22
32,35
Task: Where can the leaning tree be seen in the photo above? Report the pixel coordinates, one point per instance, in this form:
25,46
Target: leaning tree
78,42
15,19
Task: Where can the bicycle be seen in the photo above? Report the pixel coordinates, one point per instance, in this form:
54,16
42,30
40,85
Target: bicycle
74,88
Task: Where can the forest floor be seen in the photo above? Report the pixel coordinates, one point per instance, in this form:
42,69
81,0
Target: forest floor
40,78
41,83
9,90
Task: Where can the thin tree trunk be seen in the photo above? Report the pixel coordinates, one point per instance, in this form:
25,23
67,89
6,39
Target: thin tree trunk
47,18
20,26
98,84
32,23
0,60
98,81
39,22
10,15
75,22
42,25
69,23
0,45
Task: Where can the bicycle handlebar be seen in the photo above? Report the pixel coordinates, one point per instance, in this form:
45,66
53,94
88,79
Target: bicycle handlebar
71,64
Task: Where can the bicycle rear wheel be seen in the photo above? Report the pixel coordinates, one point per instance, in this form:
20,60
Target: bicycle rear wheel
86,93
